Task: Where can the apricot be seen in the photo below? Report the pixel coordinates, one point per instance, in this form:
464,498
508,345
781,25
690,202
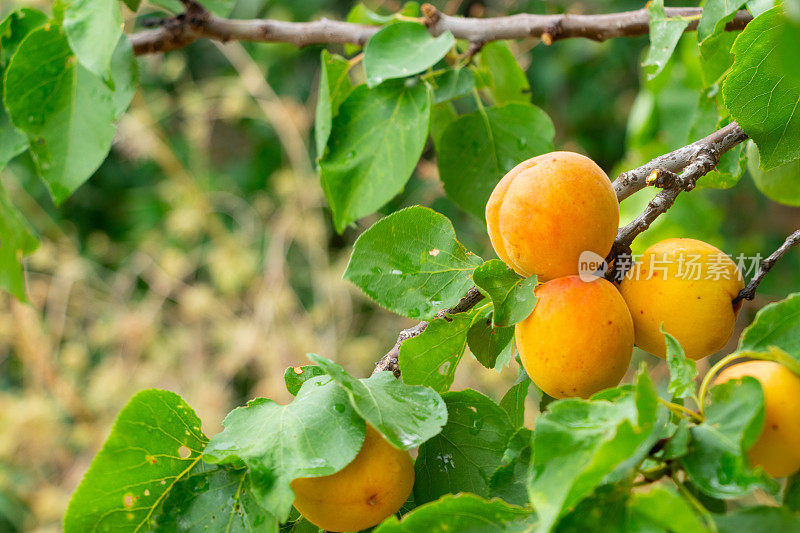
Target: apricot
373,486
689,286
777,449
579,338
548,210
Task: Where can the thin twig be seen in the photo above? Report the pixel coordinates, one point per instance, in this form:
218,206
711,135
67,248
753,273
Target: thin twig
749,292
390,360
692,162
197,23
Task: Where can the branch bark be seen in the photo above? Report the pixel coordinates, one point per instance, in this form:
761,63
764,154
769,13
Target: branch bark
692,162
390,360
749,292
197,23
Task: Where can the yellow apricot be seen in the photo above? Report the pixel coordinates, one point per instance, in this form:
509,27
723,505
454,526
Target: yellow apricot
579,338
689,286
548,210
777,450
372,487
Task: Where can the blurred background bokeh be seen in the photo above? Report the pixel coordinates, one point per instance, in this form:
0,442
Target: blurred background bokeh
201,257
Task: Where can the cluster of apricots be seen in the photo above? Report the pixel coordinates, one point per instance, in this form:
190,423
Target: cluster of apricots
579,339
548,211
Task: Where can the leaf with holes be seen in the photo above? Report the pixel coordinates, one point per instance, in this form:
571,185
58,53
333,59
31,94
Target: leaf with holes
431,358
665,32
477,149
469,449
156,441
266,437
215,499
295,376
762,94
411,263
406,415
375,143
403,49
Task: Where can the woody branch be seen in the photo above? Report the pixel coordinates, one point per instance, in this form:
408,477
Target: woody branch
198,23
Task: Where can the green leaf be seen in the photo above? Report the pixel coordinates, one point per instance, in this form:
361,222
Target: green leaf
578,443
514,400
791,493
406,415
403,49
716,57
15,27
682,371
93,28
507,82
716,462
16,240
375,143
431,358
715,12
295,376
775,325
604,511
465,513
411,263
452,84
466,453
665,32
442,116
761,519
662,509
124,75
155,442
214,499
706,120
265,436
491,345
761,93
510,480
477,149
756,7
334,86
66,111
511,295
133,5
781,184
220,8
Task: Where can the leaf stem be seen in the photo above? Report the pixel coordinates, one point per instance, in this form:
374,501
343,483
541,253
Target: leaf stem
680,410
710,374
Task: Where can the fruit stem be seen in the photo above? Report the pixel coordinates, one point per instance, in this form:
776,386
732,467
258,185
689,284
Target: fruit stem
680,410
710,374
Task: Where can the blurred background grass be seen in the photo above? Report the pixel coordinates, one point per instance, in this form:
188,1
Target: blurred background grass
201,257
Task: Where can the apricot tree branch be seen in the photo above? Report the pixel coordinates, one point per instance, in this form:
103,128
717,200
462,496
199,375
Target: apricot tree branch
674,172
390,360
197,23
749,292
718,143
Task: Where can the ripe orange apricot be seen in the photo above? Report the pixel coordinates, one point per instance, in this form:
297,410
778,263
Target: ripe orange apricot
777,450
548,210
689,286
372,487
579,338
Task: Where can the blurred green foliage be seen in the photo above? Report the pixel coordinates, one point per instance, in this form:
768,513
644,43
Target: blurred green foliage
201,256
